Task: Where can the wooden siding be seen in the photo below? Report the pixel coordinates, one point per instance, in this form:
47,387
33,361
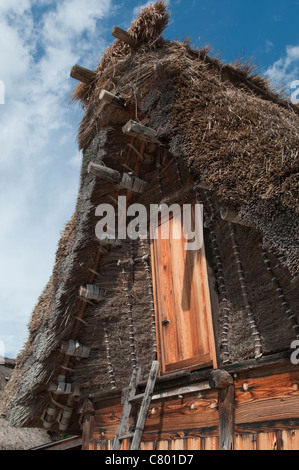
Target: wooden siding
272,398
266,418
280,440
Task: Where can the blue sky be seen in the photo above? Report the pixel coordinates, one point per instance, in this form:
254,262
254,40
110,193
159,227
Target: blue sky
40,40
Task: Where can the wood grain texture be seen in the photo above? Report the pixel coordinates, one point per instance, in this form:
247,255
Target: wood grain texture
170,418
83,75
267,399
226,405
183,308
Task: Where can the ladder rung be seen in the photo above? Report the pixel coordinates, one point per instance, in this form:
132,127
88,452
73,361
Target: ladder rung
126,436
145,398
137,398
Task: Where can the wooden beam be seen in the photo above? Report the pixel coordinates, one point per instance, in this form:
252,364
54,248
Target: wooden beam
224,382
113,100
75,349
123,180
103,172
124,36
226,408
88,412
220,379
63,388
135,129
92,292
83,75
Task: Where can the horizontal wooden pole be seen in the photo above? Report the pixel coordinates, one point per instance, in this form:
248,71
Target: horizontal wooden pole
104,172
135,129
63,388
75,349
91,292
123,180
113,100
124,36
83,75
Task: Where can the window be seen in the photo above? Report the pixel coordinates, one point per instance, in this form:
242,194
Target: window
182,300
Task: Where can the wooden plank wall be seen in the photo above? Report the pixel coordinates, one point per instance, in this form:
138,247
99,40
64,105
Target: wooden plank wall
266,418
280,440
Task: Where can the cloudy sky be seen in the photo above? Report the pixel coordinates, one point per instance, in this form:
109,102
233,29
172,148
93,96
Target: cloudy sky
40,40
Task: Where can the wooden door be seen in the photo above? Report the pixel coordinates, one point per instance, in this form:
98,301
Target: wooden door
183,309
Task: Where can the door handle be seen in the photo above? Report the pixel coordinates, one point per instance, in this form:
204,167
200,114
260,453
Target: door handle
165,322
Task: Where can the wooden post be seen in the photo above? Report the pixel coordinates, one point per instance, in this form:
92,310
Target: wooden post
223,381
124,36
66,414
83,75
113,100
226,405
135,129
88,412
220,379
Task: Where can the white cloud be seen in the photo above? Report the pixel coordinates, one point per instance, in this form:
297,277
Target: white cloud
40,40
285,70
139,7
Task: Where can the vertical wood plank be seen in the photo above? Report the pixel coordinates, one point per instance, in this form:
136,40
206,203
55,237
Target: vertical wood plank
210,443
226,406
245,442
267,441
88,412
177,444
147,446
163,445
165,297
194,444
109,445
290,440
125,445
182,300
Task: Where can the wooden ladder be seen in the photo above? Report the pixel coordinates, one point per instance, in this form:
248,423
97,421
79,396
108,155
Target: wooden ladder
130,401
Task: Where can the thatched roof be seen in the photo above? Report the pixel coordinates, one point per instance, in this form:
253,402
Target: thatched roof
219,124
12,438
232,130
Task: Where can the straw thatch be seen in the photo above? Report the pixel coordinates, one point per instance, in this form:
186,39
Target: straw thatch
219,125
12,438
225,121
